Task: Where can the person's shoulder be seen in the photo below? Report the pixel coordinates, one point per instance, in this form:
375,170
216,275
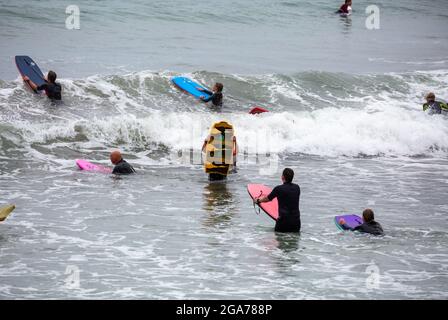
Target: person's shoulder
378,224
276,190
125,163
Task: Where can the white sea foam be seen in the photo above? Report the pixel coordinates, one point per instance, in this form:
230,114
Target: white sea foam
387,121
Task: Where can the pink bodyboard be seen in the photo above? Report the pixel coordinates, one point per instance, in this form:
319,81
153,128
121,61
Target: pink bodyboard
86,165
259,190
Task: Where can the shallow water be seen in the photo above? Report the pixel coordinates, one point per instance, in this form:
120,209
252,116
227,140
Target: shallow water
168,233
353,132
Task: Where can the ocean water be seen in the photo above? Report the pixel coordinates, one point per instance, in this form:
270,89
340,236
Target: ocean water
345,114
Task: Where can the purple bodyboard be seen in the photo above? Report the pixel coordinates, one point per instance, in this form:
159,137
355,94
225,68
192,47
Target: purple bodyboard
351,221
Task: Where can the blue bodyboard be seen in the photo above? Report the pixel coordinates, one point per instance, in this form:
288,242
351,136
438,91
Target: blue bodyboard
190,86
27,67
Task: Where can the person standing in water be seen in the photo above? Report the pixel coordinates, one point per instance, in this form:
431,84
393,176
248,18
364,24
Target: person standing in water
215,176
369,225
432,106
346,8
52,88
288,196
121,166
215,95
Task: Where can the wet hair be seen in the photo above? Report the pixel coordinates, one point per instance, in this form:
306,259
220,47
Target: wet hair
288,174
368,215
51,77
219,86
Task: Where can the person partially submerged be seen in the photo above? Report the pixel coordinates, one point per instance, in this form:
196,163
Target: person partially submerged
432,106
288,196
121,166
346,8
215,95
52,88
369,224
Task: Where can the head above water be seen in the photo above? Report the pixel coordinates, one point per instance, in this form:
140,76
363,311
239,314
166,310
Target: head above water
115,157
287,175
430,97
51,76
349,2
218,87
368,215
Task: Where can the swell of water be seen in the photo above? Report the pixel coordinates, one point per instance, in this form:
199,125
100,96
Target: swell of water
315,113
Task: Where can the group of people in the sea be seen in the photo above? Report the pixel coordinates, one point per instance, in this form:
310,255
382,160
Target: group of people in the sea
288,193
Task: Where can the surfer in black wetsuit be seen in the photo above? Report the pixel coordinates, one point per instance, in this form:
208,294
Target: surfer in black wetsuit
51,87
288,196
121,166
215,95
369,225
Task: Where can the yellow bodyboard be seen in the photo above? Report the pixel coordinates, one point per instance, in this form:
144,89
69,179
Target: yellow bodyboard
5,211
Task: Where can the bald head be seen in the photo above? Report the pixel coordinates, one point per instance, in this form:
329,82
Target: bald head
115,157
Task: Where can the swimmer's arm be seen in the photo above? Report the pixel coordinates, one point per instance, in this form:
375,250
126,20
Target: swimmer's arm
261,199
267,198
204,90
209,98
31,83
346,227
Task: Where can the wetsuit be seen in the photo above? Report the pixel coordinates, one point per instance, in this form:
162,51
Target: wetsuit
371,227
435,107
122,167
288,196
215,97
216,177
53,90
